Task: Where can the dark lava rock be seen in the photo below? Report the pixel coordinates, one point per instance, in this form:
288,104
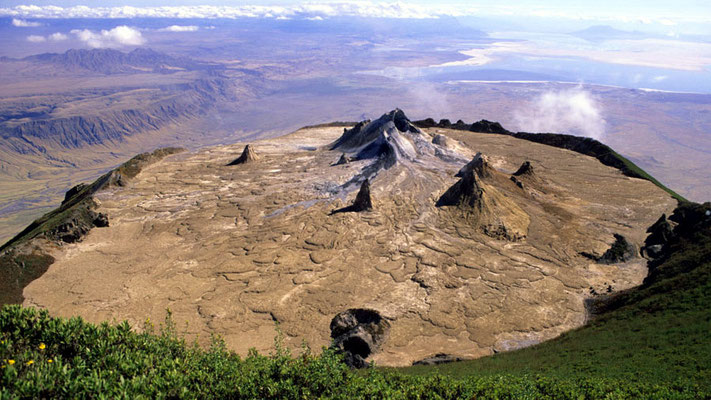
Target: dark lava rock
524,173
73,192
479,165
358,333
437,359
488,127
620,251
362,201
101,220
368,137
460,125
388,140
343,160
248,155
77,225
465,191
526,169
517,182
659,234
426,123
492,212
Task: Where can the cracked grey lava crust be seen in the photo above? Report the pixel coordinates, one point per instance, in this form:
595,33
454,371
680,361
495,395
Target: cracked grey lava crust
233,249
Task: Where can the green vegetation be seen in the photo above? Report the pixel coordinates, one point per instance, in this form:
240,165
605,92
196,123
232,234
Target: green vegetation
44,357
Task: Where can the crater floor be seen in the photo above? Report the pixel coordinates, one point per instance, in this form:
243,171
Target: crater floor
234,249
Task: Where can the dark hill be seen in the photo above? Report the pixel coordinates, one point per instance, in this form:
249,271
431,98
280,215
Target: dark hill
110,61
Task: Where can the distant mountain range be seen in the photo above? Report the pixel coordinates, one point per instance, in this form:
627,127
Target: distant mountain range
110,61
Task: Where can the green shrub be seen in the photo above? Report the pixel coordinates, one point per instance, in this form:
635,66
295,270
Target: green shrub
45,357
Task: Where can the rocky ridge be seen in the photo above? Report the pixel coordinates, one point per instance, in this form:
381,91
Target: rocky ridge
69,223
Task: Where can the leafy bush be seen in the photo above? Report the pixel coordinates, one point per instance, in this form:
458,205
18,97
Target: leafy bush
45,357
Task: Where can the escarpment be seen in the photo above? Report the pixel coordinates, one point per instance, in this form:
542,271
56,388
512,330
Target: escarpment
28,255
430,264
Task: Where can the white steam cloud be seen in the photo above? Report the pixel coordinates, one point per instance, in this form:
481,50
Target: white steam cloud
36,39
21,23
572,111
117,37
179,28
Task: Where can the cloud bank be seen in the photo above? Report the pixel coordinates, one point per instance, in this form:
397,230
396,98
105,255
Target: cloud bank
358,8
573,111
179,28
354,8
117,37
21,23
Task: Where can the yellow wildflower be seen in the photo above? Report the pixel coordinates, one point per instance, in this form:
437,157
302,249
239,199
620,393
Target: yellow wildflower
10,362
42,346
30,362
50,360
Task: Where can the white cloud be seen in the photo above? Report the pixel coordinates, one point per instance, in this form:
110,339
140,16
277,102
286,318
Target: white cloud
36,39
573,111
179,28
21,23
359,8
660,78
117,37
323,10
57,36
316,18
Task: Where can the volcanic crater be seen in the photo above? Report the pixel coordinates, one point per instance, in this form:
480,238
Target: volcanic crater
459,248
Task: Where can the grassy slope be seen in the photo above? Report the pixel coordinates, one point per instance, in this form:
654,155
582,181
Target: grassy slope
44,357
658,332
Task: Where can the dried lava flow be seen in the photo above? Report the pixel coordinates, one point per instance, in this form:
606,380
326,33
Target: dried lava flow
232,249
